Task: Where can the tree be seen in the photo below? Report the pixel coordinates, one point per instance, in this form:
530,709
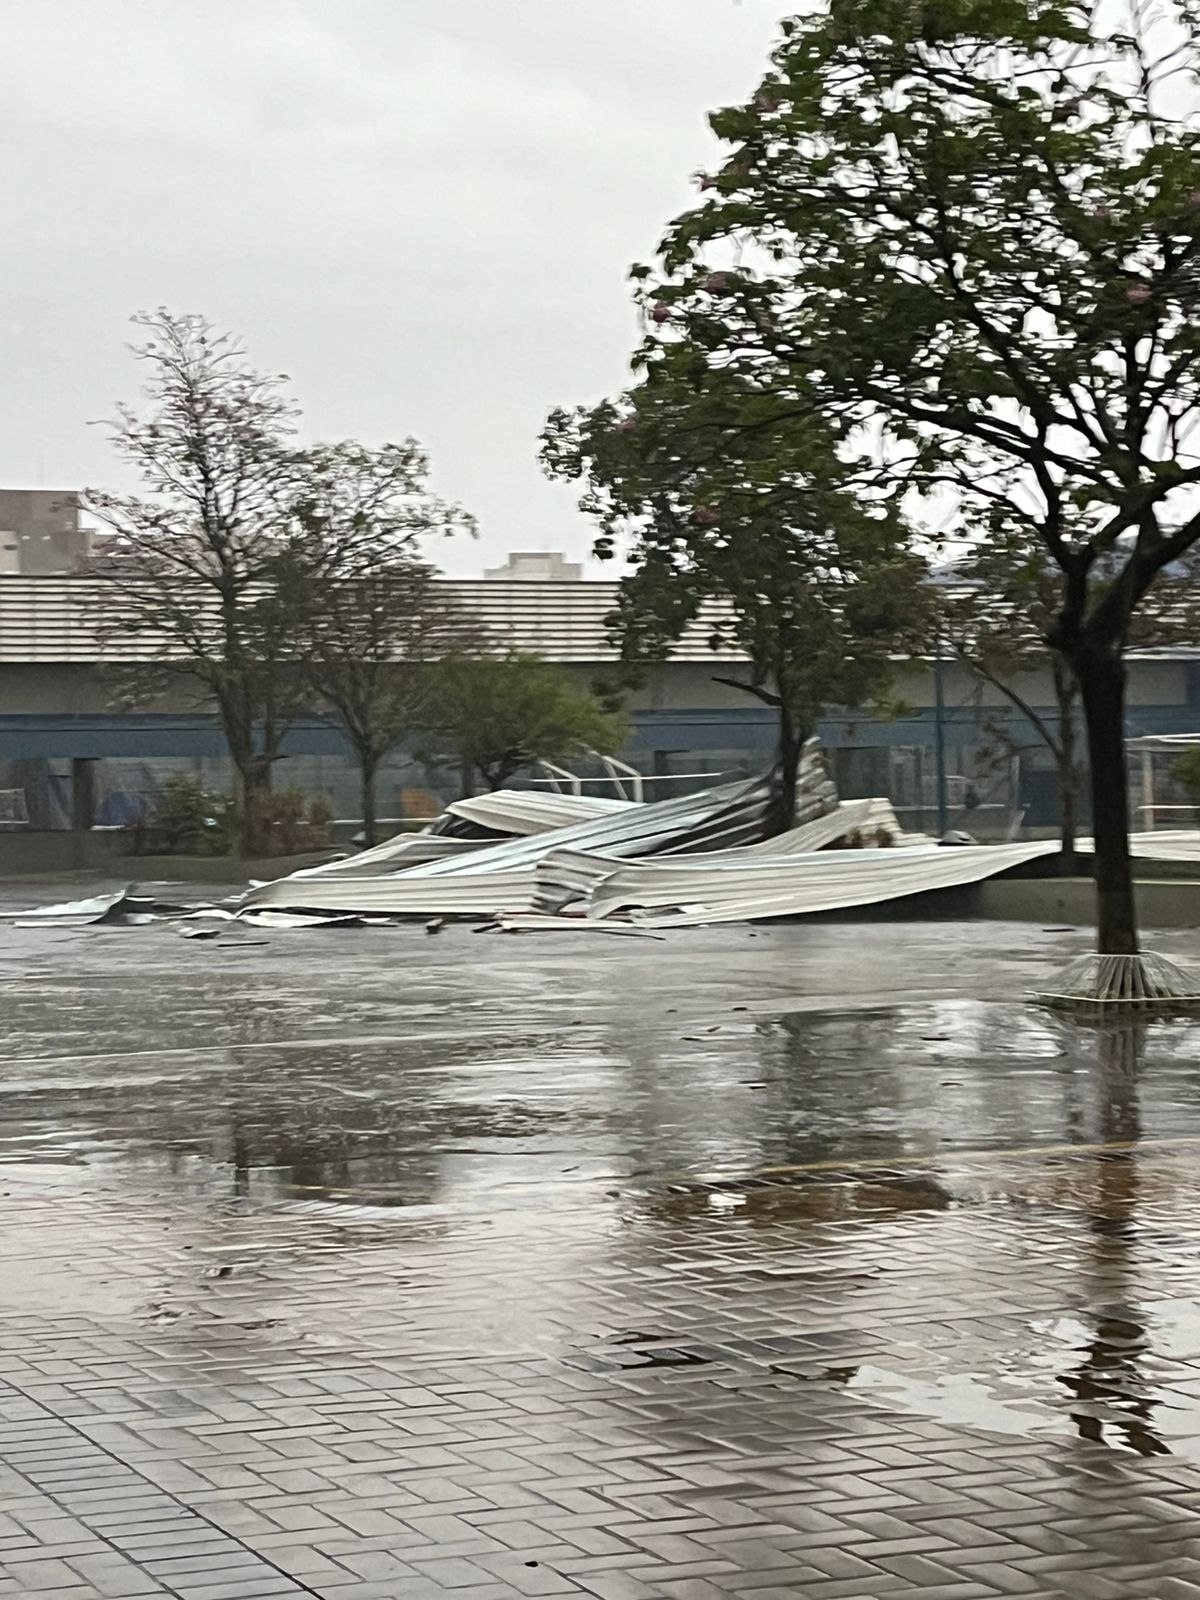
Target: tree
195,560
368,620
742,518
996,619
1185,769
371,644
495,716
971,233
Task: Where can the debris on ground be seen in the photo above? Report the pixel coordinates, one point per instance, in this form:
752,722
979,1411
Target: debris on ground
535,862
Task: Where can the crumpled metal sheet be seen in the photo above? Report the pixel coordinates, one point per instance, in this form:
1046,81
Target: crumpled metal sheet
519,812
565,877
116,907
399,854
662,894
1166,844
401,894
74,913
502,877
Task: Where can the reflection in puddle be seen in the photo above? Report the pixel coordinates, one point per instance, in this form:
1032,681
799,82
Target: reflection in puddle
818,1198
423,1120
955,1399
1106,1383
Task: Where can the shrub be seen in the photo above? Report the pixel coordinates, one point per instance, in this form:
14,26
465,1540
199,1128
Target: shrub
285,822
1185,769
188,819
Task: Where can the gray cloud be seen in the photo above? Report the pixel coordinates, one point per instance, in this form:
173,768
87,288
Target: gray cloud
422,210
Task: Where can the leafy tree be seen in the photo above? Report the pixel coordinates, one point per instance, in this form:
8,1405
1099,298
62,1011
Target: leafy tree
1185,769
496,716
996,621
970,232
740,517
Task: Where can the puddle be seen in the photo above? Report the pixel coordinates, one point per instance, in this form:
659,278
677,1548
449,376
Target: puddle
960,1400
1130,1385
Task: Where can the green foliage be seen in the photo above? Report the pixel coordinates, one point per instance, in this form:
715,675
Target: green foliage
188,819
495,716
741,519
971,231
1185,769
965,236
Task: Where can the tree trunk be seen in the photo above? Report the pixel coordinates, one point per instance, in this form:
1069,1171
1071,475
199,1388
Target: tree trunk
1066,689
254,781
466,780
1068,819
1100,670
368,775
781,813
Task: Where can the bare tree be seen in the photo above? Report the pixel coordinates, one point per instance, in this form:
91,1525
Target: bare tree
368,617
195,556
371,644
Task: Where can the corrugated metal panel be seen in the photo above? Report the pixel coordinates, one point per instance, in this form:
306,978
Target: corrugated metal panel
567,876
63,620
731,814
528,811
688,893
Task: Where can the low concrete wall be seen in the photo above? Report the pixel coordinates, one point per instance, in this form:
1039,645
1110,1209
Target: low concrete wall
25,853
28,854
213,869
1161,903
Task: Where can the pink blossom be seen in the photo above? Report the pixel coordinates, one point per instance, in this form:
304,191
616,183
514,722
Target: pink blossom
1138,293
661,313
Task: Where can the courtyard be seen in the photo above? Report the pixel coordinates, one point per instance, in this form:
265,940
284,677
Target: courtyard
806,1260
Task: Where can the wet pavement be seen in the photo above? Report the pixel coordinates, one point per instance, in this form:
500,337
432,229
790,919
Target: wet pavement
797,1261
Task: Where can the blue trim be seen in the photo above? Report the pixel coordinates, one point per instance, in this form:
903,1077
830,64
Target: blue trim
145,735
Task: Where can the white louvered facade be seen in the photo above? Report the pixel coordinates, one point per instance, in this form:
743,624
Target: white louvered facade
63,620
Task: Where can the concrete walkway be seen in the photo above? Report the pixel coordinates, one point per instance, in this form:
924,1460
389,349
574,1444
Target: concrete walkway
805,1261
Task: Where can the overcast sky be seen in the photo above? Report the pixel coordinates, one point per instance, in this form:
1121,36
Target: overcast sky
422,210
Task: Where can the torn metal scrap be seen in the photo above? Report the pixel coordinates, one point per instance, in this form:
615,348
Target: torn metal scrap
73,913
540,922
114,908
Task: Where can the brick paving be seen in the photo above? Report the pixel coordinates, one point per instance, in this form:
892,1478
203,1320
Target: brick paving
559,1300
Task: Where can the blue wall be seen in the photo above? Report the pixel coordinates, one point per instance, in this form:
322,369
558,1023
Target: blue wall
751,730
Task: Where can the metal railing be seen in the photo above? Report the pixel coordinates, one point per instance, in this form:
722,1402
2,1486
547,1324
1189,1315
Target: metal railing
626,781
